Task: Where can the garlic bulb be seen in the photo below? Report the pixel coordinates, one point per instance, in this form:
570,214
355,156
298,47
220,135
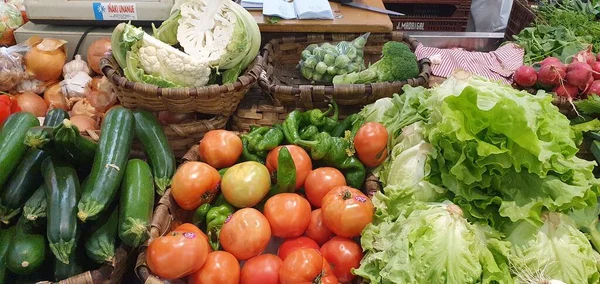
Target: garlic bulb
76,65
74,86
31,85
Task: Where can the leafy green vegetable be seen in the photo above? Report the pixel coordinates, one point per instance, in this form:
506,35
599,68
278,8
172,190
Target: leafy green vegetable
544,41
588,106
587,221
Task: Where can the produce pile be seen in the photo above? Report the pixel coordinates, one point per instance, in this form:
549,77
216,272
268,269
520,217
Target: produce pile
219,39
67,203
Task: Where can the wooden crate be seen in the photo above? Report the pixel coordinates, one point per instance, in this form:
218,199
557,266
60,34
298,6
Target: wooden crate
430,15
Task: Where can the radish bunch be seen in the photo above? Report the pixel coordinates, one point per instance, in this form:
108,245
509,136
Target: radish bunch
578,79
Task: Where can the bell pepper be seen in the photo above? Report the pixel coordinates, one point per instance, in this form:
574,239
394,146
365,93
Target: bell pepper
336,152
8,106
215,218
271,139
200,214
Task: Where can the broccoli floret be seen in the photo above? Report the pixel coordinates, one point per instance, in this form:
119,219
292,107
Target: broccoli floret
397,64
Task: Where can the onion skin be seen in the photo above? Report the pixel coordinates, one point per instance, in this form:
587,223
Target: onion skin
54,98
84,123
46,59
32,103
84,108
96,52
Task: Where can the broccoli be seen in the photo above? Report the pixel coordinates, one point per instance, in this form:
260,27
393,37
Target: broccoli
397,64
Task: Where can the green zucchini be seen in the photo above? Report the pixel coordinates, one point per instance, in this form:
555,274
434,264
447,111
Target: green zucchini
160,156
75,266
26,252
67,136
11,142
55,116
100,246
136,203
22,184
39,137
62,193
36,206
6,235
109,164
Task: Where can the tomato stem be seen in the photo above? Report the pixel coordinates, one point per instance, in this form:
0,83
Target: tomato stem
347,195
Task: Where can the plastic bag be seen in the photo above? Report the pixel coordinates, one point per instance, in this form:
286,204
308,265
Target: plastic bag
320,63
10,20
12,71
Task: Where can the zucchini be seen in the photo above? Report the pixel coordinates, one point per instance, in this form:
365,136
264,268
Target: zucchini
62,194
26,252
75,266
109,164
160,156
67,136
11,142
36,206
101,245
136,203
55,116
6,235
39,137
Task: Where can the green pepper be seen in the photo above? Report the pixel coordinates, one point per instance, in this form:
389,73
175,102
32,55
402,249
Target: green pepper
200,214
247,155
222,171
309,132
271,139
215,218
335,152
255,135
346,124
292,124
331,122
286,173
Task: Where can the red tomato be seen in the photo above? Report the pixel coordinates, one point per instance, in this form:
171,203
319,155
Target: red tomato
220,148
8,106
220,267
306,266
245,234
189,227
370,143
301,159
291,245
343,254
346,211
288,214
246,184
320,181
316,230
194,183
262,269
177,254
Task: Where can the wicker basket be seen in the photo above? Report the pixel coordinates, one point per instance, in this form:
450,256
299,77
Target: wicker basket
260,109
283,80
213,99
167,215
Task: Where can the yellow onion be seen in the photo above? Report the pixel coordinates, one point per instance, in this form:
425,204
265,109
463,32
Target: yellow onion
55,98
45,60
84,123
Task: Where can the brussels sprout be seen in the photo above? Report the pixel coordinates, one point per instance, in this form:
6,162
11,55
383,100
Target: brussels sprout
311,62
332,70
317,77
351,52
311,47
342,61
343,46
327,45
319,53
360,42
321,68
328,78
329,59
307,72
306,54
353,67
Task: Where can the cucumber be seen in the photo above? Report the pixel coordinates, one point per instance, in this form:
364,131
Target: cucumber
109,164
22,184
36,206
11,142
160,156
67,136
100,246
6,235
62,193
26,252
136,203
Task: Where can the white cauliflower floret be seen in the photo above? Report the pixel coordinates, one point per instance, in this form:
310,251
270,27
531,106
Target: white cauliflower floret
162,60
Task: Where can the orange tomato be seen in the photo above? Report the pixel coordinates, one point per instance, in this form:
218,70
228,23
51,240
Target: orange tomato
370,143
301,159
293,244
343,254
220,267
220,148
306,266
262,269
316,230
245,234
189,227
177,254
320,181
288,214
347,211
194,184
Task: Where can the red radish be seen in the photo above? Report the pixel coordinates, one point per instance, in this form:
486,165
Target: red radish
525,76
587,85
579,76
550,60
594,89
567,91
552,74
596,70
585,56
577,65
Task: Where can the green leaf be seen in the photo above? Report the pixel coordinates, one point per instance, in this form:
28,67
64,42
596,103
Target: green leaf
589,106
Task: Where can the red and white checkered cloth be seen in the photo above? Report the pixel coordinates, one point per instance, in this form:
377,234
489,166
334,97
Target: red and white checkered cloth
496,65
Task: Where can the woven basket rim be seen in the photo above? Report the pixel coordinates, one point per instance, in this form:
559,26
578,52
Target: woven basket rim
113,72
265,82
